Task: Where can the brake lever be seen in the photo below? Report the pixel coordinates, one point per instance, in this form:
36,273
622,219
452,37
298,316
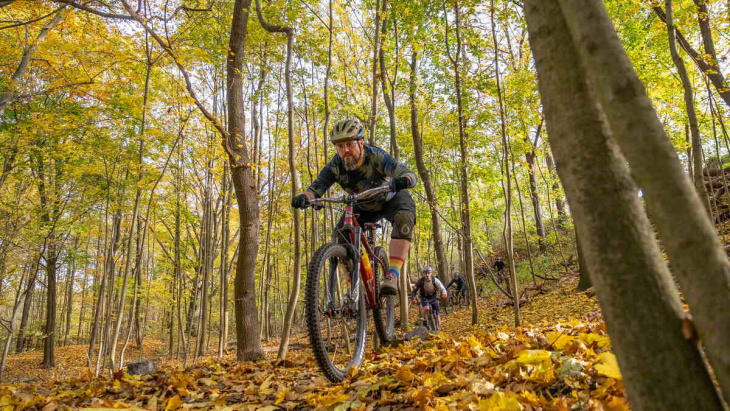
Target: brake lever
315,205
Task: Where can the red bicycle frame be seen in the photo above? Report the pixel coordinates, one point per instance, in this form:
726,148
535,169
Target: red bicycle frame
366,259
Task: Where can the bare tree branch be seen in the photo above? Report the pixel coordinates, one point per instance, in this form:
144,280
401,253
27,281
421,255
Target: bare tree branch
7,97
715,75
25,23
93,10
210,117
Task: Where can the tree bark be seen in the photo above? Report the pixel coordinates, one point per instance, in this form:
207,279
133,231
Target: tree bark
641,307
49,343
534,195
10,327
698,259
584,279
294,296
559,204
125,276
375,78
225,233
690,107
508,191
69,292
463,166
27,301
248,338
424,173
389,95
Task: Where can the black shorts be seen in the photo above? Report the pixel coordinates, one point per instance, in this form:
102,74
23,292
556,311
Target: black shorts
432,301
400,211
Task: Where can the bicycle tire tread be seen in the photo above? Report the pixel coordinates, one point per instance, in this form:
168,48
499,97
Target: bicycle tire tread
313,328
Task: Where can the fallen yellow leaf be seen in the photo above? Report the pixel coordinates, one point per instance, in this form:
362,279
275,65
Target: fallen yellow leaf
498,402
559,341
174,403
608,366
599,340
404,374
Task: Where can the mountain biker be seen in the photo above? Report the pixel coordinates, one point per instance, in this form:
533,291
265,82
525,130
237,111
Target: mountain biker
460,283
357,167
428,288
499,265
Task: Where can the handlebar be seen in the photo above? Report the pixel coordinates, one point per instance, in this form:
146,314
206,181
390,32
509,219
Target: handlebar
350,198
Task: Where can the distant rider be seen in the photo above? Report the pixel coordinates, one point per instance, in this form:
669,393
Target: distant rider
499,265
428,288
460,283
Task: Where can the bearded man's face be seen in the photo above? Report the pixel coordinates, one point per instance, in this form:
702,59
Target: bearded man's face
350,152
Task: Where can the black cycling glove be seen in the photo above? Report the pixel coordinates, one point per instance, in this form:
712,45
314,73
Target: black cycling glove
400,183
300,201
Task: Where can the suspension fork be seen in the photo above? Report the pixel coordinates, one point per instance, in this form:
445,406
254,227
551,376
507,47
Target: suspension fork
352,232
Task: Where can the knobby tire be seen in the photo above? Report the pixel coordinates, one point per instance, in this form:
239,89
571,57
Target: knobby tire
318,324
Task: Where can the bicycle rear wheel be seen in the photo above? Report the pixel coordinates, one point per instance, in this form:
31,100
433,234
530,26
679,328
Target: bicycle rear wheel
336,326
449,304
387,315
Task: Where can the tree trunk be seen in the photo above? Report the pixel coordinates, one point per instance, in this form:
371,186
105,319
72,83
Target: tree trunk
524,224
424,173
375,78
225,233
534,195
690,107
637,296
69,293
48,192
463,165
508,191
389,95
49,344
27,301
208,233
559,204
10,327
698,259
125,276
584,280
248,338
294,296
709,69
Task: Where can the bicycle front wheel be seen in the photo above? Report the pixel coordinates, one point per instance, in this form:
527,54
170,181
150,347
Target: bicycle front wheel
431,322
336,319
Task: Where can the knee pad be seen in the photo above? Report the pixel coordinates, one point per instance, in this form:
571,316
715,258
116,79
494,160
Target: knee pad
403,223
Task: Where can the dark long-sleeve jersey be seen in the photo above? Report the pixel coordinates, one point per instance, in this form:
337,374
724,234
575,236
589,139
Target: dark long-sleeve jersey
376,167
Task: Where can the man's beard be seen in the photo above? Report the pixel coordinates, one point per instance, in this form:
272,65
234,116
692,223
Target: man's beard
350,163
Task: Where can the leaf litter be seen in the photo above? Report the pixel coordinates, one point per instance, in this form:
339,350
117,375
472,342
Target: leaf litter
560,359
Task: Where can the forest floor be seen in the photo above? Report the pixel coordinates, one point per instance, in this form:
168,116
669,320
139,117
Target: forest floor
560,359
